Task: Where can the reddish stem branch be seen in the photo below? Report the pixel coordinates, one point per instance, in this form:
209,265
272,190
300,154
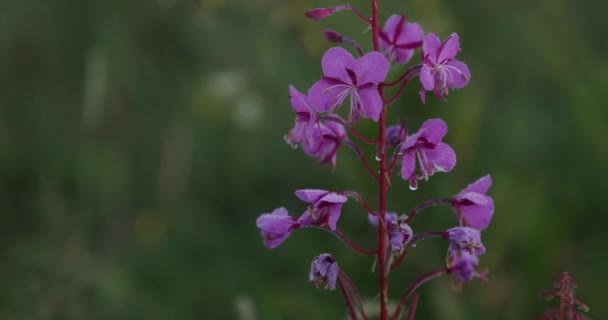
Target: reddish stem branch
352,129
360,198
349,243
347,298
361,155
416,238
397,94
355,292
412,310
424,205
414,285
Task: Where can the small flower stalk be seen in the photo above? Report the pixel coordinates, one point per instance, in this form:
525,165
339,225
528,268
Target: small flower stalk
323,125
569,308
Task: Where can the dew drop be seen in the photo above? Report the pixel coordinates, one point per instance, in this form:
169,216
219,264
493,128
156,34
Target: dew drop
413,185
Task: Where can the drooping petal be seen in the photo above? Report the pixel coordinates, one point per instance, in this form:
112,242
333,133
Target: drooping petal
427,79
275,227
310,195
459,74
482,185
332,275
334,63
371,103
334,215
408,164
478,216
391,25
430,45
433,130
331,197
441,159
298,100
449,48
324,95
371,68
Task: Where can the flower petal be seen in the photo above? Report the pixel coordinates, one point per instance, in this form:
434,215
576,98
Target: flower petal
334,63
408,164
430,45
310,195
442,158
410,35
371,68
460,74
433,130
482,185
371,103
449,48
426,78
298,100
323,95
334,215
478,216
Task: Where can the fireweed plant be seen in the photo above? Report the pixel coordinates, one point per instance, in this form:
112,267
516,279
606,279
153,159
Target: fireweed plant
359,83
569,306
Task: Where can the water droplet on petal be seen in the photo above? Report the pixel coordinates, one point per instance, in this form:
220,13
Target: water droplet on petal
413,185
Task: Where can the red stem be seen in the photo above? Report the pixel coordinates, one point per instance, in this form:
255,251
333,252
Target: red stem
418,237
349,301
397,94
351,245
350,127
562,300
412,310
426,204
414,285
361,155
355,292
383,183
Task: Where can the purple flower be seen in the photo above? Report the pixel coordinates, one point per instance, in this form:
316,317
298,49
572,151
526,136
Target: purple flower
463,269
306,128
440,71
399,39
276,227
464,239
426,147
344,77
399,232
324,268
476,208
331,135
324,210
395,135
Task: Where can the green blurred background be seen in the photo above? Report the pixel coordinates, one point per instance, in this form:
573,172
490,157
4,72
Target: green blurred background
140,140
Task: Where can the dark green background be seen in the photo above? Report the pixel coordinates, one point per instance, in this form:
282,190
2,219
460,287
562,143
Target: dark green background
139,141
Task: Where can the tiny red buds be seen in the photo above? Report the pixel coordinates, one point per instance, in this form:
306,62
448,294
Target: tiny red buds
332,35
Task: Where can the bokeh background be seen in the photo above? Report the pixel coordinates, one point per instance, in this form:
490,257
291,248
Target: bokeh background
139,141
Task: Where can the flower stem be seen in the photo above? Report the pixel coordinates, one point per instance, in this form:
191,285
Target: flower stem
383,177
426,204
355,292
414,285
348,299
412,310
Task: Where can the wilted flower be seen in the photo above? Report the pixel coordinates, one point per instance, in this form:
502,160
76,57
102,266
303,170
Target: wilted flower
324,268
276,227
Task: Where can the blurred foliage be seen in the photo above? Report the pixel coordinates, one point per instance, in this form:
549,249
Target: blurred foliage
139,141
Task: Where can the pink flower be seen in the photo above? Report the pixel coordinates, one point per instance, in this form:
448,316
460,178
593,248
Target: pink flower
440,71
324,210
476,208
276,227
399,39
347,77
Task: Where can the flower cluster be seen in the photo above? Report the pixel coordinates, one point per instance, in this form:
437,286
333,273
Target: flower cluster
322,127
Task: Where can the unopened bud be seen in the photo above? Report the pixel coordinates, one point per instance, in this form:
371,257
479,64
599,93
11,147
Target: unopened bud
319,13
332,35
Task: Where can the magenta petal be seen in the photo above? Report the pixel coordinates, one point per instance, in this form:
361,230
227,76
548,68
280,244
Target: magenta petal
430,45
433,130
390,26
478,216
482,185
334,215
426,78
371,103
298,100
408,164
310,195
332,276
371,68
334,63
411,33
460,74
323,97
449,48
442,158
332,197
